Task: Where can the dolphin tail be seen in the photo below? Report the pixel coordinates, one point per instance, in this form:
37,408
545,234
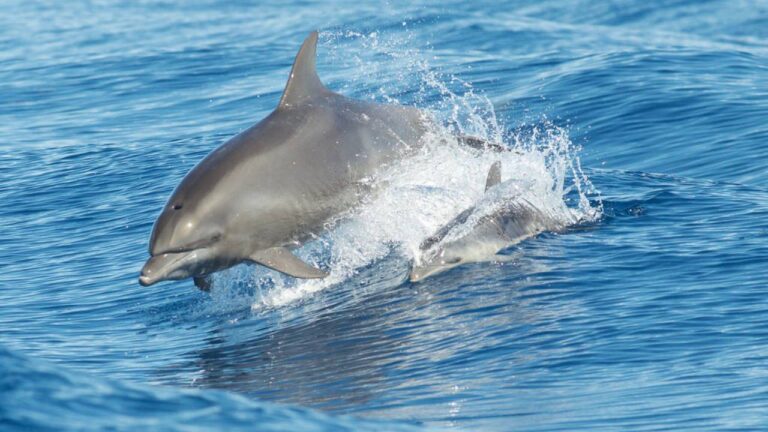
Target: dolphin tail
282,260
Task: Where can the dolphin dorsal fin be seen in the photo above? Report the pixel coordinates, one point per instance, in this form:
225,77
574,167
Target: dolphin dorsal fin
494,175
303,83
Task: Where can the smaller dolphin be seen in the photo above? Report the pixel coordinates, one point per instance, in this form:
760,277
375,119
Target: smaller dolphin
478,233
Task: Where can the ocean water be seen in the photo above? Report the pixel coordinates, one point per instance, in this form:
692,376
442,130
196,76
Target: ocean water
641,127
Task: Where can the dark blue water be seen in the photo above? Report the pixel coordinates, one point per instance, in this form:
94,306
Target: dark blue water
650,316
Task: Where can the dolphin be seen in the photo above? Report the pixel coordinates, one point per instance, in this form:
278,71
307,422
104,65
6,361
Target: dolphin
276,184
478,233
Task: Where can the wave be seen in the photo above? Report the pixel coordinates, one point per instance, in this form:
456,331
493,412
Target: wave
40,396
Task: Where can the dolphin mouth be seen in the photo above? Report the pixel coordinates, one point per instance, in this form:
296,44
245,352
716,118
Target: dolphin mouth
165,266
190,247
419,273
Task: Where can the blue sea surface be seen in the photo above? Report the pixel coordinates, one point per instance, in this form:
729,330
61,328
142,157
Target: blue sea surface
651,316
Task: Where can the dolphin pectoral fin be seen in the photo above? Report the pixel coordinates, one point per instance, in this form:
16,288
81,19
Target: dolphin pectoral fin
204,283
282,260
494,175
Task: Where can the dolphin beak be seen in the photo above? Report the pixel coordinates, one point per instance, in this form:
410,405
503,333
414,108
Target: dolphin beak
415,275
421,272
164,266
145,280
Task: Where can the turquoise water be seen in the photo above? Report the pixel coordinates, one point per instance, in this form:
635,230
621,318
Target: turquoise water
649,315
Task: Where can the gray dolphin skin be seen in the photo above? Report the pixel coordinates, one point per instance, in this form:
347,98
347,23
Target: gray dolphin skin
276,184
472,237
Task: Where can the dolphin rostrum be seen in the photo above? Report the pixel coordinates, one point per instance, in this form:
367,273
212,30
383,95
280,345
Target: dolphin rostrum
478,233
274,185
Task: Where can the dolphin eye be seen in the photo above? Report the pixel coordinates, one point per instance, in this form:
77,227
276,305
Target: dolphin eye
452,261
177,206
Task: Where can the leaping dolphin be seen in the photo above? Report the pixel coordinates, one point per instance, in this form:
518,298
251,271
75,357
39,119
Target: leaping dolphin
478,233
274,185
